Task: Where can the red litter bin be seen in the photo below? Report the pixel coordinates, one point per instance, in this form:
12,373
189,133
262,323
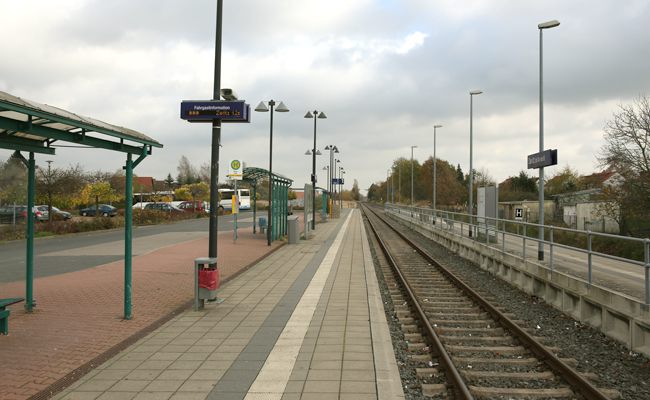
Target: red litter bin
206,281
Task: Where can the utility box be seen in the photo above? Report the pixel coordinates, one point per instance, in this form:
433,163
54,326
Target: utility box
292,225
262,224
206,281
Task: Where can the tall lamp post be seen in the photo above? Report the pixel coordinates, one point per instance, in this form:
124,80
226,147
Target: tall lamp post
412,147
336,186
434,170
392,186
316,115
540,244
333,149
387,192
470,204
263,108
341,173
399,181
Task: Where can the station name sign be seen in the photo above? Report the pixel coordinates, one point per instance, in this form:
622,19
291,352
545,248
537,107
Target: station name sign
543,159
210,110
338,181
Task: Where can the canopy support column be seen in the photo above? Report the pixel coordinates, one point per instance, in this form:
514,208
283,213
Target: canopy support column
128,232
31,183
128,237
254,207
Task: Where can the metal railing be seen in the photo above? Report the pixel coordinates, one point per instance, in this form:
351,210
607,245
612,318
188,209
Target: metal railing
488,230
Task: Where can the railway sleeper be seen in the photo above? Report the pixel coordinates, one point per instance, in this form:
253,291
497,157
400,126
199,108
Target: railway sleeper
418,348
413,338
498,392
484,340
472,375
442,299
572,362
410,328
460,317
433,390
452,309
494,350
457,323
469,331
422,359
426,373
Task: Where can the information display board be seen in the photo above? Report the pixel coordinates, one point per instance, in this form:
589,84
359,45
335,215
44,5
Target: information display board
210,110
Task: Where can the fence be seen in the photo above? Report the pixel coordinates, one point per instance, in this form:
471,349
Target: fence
489,230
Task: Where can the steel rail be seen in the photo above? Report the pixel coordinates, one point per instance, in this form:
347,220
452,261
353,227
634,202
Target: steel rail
459,386
577,382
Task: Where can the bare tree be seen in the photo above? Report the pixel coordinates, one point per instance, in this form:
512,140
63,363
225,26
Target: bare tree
626,151
186,172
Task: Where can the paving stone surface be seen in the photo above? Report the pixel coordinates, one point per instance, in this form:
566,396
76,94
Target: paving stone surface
79,314
297,325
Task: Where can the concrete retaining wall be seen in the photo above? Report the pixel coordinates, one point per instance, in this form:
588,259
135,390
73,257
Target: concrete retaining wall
618,316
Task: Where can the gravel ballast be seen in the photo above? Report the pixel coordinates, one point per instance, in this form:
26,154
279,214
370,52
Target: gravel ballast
617,367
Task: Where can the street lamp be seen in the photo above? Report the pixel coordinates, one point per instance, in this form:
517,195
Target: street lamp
412,147
263,108
434,170
540,244
387,192
341,173
470,205
333,149
316,115
335,186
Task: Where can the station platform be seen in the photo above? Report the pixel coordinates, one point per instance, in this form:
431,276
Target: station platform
306,322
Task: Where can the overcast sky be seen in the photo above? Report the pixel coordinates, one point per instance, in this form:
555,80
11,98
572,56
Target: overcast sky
384,72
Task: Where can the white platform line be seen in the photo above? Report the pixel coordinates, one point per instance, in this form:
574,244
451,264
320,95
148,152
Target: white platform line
274,375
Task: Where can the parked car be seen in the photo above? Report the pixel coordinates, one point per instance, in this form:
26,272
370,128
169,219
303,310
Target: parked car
57,214
192,206
19,212
162,207
105,210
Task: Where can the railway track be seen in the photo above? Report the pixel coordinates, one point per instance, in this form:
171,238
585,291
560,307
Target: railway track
466,346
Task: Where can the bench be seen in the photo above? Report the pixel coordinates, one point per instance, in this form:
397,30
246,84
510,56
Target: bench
4,313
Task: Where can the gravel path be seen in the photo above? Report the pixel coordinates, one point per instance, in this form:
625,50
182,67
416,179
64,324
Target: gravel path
618,367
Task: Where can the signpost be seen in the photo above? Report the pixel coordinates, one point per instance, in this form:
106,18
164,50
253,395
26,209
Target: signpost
519,214
543,159
236,174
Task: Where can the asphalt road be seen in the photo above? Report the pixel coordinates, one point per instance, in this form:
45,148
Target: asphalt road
68,253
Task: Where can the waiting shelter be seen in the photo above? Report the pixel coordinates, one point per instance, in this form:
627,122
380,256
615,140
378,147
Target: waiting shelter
279,199
28,126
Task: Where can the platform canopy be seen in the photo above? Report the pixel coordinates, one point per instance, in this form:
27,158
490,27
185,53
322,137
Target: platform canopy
26,125
279,199
33,127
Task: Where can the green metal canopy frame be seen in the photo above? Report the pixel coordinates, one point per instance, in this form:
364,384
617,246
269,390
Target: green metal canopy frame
35,128
277,226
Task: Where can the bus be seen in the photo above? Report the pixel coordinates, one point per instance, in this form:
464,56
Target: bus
244,196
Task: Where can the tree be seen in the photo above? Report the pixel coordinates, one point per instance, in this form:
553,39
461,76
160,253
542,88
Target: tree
13,181
169,181
483,178
186,172
204,173
460,176
627,151
373,192
515,188
355,191
565,181
93,192
182,194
